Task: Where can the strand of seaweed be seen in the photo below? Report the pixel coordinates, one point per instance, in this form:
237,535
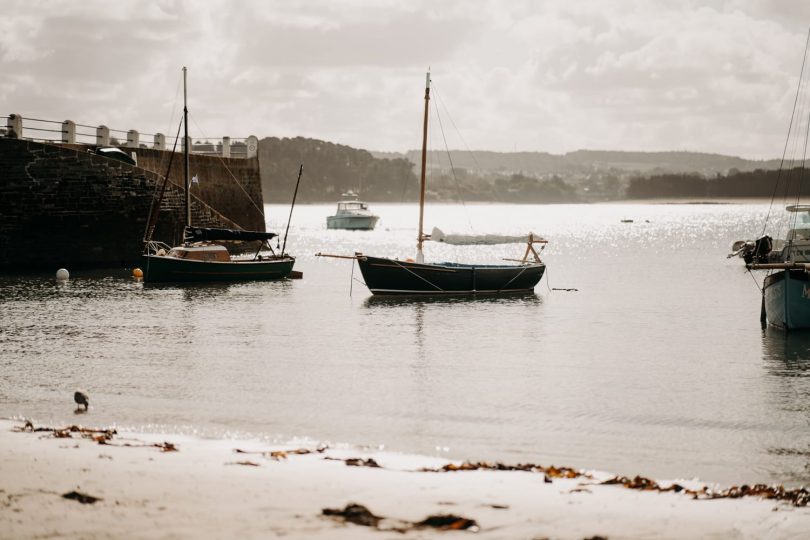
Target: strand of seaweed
100,435
360,515
797,497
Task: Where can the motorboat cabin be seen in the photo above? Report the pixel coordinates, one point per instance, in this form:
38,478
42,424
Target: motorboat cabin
352,214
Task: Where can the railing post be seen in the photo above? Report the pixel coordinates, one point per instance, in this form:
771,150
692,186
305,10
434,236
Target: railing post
132,138
226,147
69,132
103,136
160,141
252,146
15,126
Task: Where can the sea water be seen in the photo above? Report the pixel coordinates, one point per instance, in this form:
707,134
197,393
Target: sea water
655,364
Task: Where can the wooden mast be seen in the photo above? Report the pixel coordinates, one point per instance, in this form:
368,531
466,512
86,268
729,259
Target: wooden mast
186,152
420,257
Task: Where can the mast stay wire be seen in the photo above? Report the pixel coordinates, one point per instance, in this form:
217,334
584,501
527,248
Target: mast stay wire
238,183
796,141
464,142
802,169
802,166
157,194
171,119
800,108
452,167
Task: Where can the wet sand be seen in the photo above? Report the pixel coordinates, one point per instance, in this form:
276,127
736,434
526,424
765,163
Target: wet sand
207,490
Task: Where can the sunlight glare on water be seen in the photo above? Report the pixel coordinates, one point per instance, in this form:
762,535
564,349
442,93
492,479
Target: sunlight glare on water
656,364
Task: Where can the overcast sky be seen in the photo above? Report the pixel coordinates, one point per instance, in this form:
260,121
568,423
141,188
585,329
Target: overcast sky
554,75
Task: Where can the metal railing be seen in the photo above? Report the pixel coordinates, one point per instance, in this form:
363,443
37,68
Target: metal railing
69,132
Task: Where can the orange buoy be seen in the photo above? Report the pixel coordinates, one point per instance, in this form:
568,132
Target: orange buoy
137,272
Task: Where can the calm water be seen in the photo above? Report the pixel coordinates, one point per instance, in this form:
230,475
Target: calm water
657,365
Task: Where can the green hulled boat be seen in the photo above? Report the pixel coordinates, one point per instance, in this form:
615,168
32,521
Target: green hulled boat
200,258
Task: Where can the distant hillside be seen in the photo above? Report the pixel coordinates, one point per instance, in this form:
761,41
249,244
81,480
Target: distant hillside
520,177
586,161
329,170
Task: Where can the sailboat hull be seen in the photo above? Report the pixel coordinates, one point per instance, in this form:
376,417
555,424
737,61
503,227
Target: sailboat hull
787,299
161,268
394,277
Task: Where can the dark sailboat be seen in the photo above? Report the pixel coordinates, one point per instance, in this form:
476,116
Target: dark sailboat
385,276
199,258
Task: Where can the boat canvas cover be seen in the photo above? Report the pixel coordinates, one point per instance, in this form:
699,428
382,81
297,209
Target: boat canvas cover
200,234
117,154
437,235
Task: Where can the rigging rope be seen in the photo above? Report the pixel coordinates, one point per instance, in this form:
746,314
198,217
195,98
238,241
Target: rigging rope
472,154
171,119
417,275
750,273
514,278
154,208
260,210
801,172
452,167
803,107
787,141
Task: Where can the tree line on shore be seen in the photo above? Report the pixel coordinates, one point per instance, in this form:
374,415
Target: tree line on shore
329,170
752,184
332,169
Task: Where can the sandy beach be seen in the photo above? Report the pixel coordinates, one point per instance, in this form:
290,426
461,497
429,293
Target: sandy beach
158,486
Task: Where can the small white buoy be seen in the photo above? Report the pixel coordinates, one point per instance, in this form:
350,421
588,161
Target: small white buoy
62,274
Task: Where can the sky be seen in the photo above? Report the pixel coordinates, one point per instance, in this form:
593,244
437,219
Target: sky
518,75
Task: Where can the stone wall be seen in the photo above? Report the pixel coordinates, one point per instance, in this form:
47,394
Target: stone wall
232,186
65,207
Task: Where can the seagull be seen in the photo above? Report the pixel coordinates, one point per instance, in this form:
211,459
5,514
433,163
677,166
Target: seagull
81,398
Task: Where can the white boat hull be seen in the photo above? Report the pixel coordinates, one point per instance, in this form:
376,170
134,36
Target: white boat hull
359,223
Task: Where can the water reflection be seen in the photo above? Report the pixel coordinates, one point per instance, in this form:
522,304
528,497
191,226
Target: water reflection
84,285
786,357
787,351
419,331
203,291
191,291
405,300
620,377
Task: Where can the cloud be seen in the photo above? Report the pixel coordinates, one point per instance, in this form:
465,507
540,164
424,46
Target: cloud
716,76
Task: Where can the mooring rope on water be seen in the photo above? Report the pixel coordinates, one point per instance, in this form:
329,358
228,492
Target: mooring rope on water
550,289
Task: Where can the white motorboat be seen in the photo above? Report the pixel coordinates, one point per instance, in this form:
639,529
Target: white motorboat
352,214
